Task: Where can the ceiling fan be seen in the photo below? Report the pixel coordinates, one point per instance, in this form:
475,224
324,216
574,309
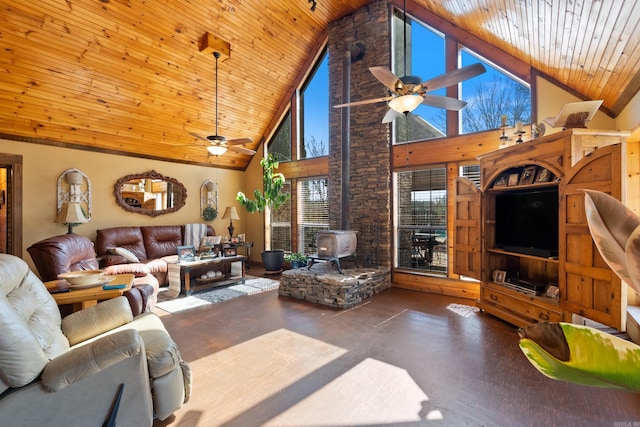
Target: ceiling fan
406,93
218,143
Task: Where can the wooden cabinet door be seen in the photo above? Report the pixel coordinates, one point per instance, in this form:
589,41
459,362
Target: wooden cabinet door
467,229
588,287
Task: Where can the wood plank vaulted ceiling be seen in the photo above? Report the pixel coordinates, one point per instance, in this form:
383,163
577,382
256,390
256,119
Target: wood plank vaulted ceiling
126,76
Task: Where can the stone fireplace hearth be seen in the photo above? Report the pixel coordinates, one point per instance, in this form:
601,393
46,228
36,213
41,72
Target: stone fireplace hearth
323,284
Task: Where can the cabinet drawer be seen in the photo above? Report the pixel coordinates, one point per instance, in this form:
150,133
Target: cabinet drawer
527,306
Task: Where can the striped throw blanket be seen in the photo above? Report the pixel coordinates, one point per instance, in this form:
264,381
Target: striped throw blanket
193,234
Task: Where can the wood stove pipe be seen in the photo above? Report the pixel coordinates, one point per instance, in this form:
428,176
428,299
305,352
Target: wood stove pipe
351,55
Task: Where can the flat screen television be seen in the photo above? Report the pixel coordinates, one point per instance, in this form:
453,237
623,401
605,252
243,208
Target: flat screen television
527,222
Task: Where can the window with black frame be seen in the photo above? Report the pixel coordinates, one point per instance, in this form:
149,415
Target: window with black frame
314,112
314,212
281,224
280,143
422,220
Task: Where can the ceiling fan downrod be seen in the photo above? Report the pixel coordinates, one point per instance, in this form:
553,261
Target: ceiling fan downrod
217,56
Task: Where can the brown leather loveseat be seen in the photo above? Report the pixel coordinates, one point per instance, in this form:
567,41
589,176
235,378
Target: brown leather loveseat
152,246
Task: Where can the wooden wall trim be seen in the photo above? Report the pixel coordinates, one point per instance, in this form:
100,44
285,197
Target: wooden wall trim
436,285
14,220
307,168
463,148
95,149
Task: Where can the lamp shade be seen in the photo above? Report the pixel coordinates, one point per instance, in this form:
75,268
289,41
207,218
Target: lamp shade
217,150
230,213
71,213
406,103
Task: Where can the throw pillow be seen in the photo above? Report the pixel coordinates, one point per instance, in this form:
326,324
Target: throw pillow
138,270
125,253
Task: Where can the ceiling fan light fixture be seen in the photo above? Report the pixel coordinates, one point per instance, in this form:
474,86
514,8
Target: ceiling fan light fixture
406,103
217,150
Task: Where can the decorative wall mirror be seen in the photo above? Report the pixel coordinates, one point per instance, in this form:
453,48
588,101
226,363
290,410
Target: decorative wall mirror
150,193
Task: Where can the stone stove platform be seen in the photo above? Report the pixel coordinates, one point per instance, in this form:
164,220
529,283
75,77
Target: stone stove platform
322,284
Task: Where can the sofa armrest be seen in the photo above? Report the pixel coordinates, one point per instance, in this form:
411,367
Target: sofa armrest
84,361
138,297
95,320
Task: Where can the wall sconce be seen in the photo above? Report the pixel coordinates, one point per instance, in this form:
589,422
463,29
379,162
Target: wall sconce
208,199
230,213
73,193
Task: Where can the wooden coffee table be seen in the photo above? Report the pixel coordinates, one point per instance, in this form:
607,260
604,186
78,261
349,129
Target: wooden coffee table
185,277
83,298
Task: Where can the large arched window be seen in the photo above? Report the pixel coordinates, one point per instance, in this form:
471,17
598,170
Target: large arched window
314,112
303,134
489,96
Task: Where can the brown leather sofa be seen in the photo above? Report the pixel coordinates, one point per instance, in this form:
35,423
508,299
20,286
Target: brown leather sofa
152,246
70,252
69,371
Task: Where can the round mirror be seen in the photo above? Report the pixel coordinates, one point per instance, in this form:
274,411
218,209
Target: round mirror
149,193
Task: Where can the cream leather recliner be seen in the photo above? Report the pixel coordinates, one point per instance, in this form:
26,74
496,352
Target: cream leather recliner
69,372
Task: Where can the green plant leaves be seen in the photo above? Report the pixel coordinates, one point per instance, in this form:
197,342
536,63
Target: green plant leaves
616,232
273,184
596,358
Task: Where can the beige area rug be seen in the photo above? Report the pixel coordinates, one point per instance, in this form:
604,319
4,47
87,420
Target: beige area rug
252,372
253,285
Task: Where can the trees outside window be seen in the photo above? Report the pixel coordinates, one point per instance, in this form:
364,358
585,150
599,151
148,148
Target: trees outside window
492,95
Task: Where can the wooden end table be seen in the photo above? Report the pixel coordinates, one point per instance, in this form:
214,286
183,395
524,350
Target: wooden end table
247,247
185,277
82,298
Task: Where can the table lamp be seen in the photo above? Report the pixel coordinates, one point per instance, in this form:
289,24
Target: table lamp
72,215
230,213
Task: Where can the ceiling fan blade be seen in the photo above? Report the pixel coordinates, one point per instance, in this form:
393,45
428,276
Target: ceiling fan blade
366,101
443,102
198,136
390,116
239,141
242,150
454,77
386,77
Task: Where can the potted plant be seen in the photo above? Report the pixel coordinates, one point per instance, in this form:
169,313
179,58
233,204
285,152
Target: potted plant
296,259
209,213
272,197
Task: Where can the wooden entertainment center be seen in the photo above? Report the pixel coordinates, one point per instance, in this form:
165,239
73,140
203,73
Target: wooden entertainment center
514,280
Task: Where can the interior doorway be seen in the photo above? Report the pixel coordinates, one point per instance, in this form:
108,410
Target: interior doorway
11,204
